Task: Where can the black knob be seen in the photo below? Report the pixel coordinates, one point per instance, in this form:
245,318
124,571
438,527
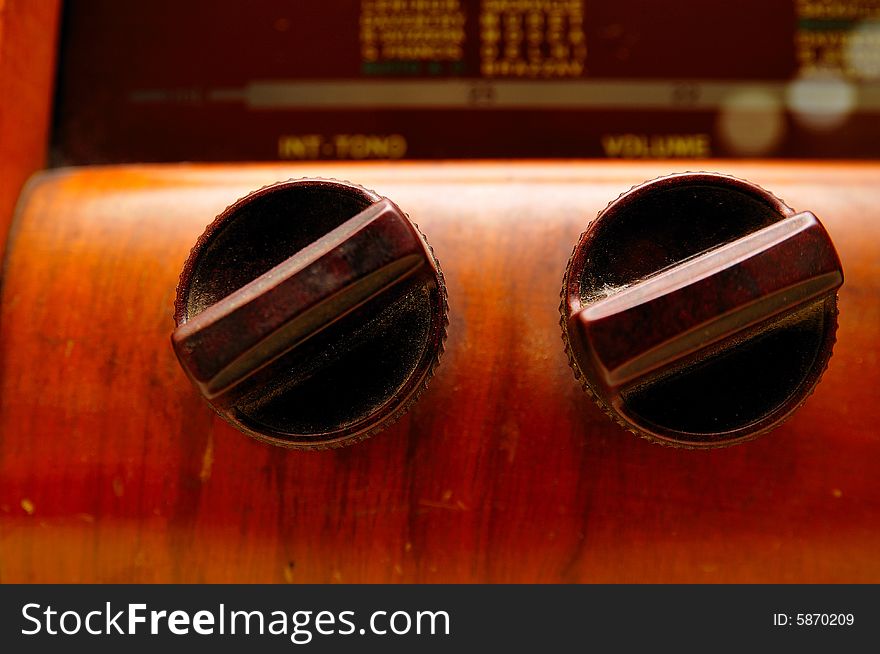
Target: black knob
311,313
700,310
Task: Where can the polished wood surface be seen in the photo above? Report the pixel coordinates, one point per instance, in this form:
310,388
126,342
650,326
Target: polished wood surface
28,35
112,468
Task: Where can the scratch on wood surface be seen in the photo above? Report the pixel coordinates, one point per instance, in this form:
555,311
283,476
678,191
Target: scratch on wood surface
207,460
509,438
449,506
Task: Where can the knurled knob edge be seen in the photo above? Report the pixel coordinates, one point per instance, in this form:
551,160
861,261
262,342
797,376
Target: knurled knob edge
386,421
613,415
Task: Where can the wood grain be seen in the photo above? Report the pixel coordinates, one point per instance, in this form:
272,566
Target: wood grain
28,31
112,469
